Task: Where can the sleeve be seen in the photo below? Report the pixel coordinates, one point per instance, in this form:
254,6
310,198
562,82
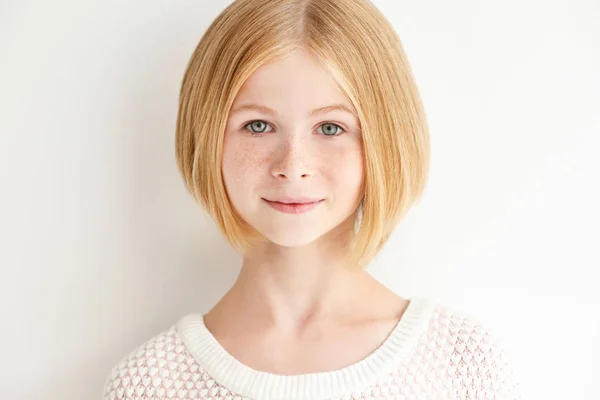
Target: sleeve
146,372
492,371
123,381
112,383
480,367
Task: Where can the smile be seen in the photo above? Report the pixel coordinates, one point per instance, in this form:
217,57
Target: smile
293,208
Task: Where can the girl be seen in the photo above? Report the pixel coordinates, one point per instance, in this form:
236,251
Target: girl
301,132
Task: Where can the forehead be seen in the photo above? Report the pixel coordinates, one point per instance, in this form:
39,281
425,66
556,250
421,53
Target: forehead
294,81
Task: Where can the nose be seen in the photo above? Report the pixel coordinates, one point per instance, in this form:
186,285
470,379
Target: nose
292,160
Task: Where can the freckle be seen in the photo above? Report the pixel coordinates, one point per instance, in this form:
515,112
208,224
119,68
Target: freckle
246,158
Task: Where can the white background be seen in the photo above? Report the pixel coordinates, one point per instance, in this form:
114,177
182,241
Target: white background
101,247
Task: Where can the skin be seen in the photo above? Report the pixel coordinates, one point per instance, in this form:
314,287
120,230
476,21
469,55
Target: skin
296,307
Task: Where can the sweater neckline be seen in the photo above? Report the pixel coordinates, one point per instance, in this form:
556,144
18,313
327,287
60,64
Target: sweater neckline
243,380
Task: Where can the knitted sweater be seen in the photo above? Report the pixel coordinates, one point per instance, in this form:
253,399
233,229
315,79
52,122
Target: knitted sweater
432,353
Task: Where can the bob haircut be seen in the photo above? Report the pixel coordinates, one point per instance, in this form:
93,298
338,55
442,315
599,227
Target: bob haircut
354,42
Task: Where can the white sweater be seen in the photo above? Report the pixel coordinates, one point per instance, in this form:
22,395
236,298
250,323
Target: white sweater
433,353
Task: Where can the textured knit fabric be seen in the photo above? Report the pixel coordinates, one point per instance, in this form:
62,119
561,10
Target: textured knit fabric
432,353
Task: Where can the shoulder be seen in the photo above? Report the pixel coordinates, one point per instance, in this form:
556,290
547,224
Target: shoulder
160,368
476,358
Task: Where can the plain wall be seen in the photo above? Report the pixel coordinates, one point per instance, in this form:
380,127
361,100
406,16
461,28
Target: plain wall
102,247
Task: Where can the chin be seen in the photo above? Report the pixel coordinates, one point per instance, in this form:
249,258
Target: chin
293,238
288,234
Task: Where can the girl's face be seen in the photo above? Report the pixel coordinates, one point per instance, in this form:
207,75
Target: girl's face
278,144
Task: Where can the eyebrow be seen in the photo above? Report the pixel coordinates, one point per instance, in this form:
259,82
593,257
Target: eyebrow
270,111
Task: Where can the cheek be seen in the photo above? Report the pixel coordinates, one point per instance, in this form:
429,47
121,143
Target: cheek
353,174
240,163
345,170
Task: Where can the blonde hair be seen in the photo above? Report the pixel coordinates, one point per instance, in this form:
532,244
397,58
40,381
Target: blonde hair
359,47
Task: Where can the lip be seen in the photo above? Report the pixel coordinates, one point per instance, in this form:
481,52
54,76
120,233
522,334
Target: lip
294,200
293,208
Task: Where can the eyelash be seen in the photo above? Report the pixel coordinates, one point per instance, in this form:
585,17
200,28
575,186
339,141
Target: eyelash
328,137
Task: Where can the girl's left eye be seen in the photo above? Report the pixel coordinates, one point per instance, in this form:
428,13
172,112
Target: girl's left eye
330,130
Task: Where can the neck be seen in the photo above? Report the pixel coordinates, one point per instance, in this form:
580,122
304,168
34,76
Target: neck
288,289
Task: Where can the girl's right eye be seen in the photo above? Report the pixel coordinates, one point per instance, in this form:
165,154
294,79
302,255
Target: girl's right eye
257,127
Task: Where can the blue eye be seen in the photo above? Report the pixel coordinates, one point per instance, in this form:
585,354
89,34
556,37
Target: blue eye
258,124
330,130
